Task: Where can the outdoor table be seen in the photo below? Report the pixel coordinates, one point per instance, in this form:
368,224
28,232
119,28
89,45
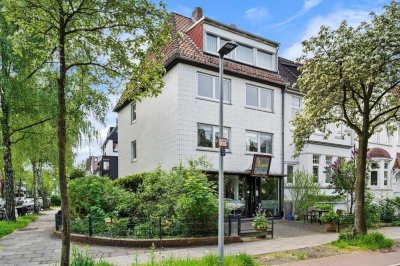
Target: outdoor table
320,212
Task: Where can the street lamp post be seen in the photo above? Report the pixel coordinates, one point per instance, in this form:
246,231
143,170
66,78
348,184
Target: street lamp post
224,50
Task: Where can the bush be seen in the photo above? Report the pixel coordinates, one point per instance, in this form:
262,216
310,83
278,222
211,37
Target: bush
97,196
388,209
303,191
55,200
372,211
372,241
77,173
330,217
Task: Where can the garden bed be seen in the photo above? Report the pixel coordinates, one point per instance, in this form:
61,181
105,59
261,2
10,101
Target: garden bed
167,242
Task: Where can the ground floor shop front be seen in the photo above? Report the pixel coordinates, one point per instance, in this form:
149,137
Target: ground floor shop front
254,192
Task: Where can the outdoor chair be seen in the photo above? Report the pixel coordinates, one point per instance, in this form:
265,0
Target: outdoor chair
311,215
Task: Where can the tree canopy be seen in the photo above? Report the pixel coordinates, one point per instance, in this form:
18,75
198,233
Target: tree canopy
351,76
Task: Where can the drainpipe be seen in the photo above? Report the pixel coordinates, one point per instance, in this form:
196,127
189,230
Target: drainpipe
283,144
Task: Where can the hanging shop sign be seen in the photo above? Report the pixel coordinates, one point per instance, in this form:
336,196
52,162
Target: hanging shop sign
261,165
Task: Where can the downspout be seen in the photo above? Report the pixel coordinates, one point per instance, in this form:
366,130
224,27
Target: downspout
283,148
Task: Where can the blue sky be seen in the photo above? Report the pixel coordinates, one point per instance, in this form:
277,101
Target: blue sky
285,21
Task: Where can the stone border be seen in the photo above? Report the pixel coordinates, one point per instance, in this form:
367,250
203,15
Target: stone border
168,242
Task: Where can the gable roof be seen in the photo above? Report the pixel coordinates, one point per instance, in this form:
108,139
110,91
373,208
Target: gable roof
184,49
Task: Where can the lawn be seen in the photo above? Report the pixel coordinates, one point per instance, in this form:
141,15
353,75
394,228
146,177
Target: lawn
7,227
371,241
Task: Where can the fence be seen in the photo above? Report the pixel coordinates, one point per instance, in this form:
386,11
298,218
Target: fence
153,227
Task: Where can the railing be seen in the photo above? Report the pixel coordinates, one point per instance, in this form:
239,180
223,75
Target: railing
141,227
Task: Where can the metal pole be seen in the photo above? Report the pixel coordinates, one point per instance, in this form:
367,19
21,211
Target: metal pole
221,165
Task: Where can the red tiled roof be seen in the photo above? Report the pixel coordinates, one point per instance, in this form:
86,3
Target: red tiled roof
184,47
397,161
378,153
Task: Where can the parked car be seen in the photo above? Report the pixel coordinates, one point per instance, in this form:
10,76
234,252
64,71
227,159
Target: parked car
234,205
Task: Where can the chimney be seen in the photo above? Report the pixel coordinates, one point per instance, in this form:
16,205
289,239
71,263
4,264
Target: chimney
197,13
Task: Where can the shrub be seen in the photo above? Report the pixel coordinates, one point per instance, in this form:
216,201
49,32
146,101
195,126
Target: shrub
97,196
77,173
131,182
324,206
372,211
388,209
55,200
303,191
260,221
330,217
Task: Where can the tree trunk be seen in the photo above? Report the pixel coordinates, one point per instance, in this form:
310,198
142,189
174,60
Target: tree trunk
62,140
35,187
9,193
43,192
360,226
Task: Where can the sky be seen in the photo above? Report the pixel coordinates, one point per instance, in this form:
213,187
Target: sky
287,22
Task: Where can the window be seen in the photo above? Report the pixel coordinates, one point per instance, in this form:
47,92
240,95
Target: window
386,174
264,59
374,174
328,170
245,54
133,112
211,43
258,97
315,167
106,165
207,136
295,105
133,151
289,178
115,147
258,142
208,86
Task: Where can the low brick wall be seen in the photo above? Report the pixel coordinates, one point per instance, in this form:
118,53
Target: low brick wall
168,242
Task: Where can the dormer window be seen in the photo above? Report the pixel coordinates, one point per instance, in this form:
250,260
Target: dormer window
243,53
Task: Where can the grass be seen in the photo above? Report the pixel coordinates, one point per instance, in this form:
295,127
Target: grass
7,227
209,260
372,241
83,259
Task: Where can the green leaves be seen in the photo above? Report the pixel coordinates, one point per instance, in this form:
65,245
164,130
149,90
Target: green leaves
350,76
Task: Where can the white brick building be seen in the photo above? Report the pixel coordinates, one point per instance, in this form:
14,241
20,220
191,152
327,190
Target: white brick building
182,122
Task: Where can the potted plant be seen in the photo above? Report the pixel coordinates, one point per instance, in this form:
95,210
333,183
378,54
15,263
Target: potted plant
260,222
331,219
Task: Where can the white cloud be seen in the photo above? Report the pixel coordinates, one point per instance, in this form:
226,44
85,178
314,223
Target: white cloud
256,14
333,20
307,5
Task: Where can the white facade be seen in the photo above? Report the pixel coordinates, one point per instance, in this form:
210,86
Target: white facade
164,131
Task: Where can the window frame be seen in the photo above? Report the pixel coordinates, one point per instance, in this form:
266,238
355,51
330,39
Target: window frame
259,142
214,88
133,158
328,170
289,174
386,174
376,170
133,111
258,107
316,160
233,55
214,129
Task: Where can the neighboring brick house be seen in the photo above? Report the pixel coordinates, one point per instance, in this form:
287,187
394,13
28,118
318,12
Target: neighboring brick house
182,122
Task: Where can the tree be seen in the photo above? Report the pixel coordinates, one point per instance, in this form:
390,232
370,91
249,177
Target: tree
351,76
303,192
89,43
344,178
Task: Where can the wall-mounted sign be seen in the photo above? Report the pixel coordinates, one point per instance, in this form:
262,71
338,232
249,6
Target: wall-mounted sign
261,165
